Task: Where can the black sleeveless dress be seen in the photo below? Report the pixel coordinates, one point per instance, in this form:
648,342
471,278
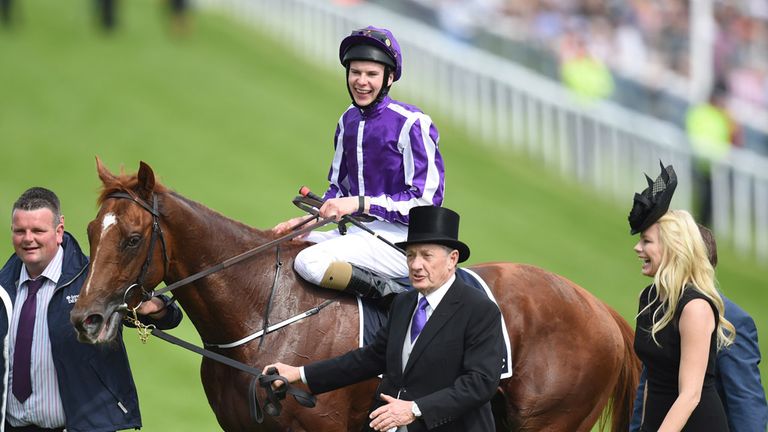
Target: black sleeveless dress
663,364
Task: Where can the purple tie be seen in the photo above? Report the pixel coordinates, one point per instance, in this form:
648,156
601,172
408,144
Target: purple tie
22,353
419,318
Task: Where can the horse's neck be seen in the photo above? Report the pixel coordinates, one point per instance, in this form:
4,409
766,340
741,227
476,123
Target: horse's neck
229,302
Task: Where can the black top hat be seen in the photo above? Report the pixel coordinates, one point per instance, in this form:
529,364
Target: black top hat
439,225
653,202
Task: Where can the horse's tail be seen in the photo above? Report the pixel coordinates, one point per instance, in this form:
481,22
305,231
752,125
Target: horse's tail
623,395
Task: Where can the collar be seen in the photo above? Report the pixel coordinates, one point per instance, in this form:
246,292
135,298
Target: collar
375,108
435,297
52,271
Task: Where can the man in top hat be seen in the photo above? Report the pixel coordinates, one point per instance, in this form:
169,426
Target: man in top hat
440,352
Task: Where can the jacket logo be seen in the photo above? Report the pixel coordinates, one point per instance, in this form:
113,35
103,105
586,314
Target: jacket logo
72,298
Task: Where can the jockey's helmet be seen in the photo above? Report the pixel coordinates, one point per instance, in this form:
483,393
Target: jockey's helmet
372,44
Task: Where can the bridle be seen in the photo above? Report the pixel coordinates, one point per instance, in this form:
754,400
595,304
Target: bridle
157,232
272,405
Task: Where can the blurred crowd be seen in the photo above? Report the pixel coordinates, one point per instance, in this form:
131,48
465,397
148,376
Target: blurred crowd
106,14
650,39
647,38
643,41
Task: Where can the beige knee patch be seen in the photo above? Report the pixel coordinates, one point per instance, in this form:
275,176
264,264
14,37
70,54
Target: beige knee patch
337,276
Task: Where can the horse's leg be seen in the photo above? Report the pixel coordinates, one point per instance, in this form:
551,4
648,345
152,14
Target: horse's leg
504,416
628,378
568,391
508,417
328,334
556,410
227,392
341,410
622,392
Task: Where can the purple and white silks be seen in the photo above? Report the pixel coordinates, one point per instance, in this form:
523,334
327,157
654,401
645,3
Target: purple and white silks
388,152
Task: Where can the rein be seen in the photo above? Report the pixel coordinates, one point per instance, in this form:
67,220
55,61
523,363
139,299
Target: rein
238,258
201,274
272,405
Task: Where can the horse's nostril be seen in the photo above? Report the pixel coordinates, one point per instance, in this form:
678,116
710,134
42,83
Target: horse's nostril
94,320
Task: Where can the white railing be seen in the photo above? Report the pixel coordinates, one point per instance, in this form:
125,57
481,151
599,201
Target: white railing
602,144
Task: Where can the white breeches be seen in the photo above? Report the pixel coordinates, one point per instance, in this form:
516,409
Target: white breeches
356,247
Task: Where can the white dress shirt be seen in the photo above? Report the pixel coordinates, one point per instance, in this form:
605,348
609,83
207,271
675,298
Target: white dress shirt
433,299
43,407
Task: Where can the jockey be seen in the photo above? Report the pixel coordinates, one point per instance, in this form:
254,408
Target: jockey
386,161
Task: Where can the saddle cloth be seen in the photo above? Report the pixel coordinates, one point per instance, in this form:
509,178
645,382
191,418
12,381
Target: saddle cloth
373,316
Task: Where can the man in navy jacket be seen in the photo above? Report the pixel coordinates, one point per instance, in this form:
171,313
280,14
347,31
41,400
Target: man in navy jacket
80,387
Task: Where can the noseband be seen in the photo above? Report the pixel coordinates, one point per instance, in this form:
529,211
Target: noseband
157,232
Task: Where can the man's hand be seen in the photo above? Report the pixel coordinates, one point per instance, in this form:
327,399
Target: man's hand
155,308
285,227
291,373
394,414
336,208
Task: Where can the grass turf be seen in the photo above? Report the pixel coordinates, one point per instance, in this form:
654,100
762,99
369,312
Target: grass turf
224,120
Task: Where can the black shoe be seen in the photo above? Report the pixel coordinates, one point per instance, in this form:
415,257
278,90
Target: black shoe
366,284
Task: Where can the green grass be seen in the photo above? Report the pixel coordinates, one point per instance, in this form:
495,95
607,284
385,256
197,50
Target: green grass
225,120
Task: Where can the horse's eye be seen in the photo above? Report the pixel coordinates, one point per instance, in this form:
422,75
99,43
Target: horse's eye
133,241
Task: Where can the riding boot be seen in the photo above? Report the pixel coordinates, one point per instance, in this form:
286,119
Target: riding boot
343,276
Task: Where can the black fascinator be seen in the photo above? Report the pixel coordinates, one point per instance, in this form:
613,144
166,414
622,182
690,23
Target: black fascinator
653,202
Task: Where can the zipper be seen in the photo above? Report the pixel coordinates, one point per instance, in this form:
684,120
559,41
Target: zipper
61,286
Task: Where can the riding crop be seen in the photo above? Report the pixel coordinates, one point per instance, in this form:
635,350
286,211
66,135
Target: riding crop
311,203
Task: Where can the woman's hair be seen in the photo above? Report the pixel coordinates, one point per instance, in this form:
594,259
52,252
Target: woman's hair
685,265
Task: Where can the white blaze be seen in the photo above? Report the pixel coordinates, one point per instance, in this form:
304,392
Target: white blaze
108,222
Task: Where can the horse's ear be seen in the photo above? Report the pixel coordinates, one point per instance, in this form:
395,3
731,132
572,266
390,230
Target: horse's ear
146,181
104,174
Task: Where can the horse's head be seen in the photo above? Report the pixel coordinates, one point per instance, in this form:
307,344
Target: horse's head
128,253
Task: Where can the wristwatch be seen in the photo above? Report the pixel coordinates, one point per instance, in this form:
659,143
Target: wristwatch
415,410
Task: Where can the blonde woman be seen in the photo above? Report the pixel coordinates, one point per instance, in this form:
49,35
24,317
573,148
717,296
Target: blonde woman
680,324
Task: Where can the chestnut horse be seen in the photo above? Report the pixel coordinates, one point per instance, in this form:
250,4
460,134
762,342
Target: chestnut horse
572,354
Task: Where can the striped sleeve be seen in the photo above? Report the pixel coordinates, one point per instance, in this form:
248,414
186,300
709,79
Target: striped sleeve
424,173
338,172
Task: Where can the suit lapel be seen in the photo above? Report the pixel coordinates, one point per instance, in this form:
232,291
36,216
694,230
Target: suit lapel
445,310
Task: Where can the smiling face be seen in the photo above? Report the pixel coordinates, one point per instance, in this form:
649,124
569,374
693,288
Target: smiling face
649,250
365,80
430,266
36,238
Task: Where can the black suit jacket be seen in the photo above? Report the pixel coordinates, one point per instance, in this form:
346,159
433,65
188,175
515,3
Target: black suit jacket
452,372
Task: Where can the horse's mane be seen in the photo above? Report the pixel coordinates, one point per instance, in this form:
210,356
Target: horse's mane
124,183
129,183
